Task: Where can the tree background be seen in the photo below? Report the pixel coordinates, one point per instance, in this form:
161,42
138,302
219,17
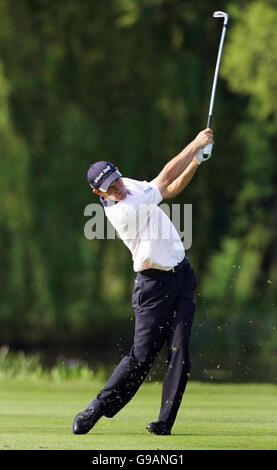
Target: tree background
129,81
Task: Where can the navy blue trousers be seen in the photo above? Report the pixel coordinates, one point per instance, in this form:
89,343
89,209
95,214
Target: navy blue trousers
164,307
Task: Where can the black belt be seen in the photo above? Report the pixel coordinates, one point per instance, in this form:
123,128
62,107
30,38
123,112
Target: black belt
176,268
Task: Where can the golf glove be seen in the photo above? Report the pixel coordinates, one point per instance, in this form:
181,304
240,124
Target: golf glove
204,154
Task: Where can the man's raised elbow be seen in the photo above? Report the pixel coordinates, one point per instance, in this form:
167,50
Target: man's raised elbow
166,194
163,181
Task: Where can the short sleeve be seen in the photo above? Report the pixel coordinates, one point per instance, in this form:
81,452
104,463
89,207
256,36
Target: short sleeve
149,194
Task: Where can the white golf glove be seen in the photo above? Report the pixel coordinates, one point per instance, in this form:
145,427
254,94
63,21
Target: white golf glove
204,154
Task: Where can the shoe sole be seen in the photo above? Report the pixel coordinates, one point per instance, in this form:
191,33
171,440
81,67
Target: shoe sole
158,433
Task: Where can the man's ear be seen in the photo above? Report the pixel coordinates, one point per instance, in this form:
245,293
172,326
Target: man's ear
95,191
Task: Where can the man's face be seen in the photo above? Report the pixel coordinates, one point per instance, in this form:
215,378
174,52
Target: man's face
116,191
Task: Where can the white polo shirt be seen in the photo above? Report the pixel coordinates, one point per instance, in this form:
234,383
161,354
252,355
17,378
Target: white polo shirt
145,228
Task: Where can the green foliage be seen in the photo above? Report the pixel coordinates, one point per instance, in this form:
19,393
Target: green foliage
22,365
19,365
129,81
250,64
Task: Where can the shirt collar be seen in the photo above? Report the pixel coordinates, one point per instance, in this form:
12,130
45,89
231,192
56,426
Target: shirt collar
107,203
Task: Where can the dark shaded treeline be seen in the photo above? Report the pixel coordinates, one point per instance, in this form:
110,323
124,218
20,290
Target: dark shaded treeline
130,82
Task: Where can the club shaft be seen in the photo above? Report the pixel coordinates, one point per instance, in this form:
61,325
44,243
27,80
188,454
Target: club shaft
216,74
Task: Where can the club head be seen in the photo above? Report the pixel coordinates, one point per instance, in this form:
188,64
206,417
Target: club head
221,14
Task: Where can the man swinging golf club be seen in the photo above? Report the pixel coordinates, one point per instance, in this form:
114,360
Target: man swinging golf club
163,296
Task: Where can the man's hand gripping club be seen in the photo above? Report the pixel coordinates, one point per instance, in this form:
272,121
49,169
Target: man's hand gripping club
178,172
204,153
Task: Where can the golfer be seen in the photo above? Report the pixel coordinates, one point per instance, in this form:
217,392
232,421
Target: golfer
163,296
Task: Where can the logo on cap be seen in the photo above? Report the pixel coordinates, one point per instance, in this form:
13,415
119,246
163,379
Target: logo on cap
108,167
102,174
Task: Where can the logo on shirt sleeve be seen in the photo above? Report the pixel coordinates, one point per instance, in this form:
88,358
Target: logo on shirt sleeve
148,190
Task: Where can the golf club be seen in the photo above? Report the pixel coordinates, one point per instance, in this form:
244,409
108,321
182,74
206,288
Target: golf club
217,14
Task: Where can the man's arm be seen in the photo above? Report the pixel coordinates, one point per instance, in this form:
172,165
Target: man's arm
182,181
175,167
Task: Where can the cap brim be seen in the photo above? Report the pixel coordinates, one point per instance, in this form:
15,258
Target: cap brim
108,181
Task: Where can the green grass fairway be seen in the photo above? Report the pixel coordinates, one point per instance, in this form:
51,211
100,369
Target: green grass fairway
37,414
